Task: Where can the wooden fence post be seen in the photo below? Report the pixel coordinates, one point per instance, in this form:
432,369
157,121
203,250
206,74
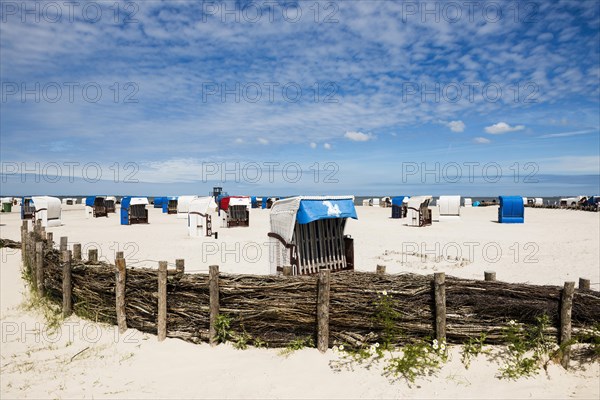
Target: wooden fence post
584,284
67,289
162,300
93,255
180,265
77,251
489,276
323,294
24,243
63,243
287,270
50,240
380,270
39,267
213,289
439,284
566,306
120,292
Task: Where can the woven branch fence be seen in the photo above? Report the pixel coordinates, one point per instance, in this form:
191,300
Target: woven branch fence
279,309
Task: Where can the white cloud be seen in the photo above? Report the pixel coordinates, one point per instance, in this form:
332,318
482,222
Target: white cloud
326,146
359,136
456,126
263,141
313,145
239,140
481,140
502,127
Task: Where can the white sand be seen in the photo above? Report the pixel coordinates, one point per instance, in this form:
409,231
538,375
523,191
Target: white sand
563,245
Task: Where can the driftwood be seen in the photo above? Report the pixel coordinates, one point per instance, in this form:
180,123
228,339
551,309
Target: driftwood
10,244
279,309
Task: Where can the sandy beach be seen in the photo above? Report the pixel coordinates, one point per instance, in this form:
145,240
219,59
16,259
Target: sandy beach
87,360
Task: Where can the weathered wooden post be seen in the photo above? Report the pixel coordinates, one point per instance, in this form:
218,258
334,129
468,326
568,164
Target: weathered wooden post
39,267
162,300
67,289
50,240
584,284
180,266
213,290
439,285
120,291
63,243
24,243
323,294
93,255
489,276
380,269
77,251
566,306
287,270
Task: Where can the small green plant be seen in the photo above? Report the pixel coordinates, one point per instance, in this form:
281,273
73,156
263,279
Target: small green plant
223,328
528,349
296,344
472,348
241,340
418,359
259,343
387,317
360,354
50,311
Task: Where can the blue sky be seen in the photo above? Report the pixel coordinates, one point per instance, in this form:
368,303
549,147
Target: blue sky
174,94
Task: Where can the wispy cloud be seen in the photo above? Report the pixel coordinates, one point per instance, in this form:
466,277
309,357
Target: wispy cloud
567,134
481,140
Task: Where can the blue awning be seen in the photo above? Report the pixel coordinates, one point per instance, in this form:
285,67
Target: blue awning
397,201
313,210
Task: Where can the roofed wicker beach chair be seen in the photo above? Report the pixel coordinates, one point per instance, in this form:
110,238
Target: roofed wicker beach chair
111,204
133,210
200,217
307,233
449,208
48,210
27,208
94,206
418,212
237,210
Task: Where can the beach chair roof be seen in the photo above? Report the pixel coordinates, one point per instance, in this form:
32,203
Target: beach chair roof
225,202
202,204
89,201
416,201
397,201
53,205
183,203
304,209
127,201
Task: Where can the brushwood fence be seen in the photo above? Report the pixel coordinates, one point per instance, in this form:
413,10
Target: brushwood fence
278,309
